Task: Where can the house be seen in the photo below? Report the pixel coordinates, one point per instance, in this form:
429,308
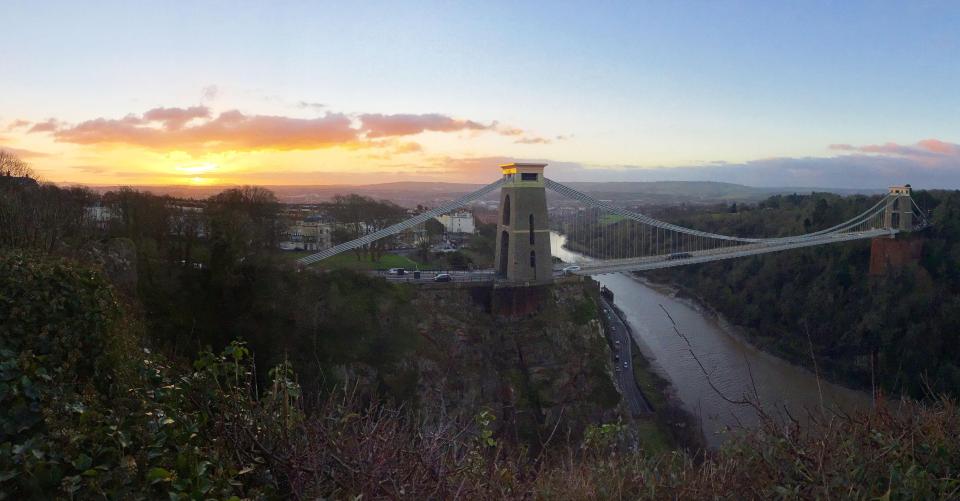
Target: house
311,233
458,222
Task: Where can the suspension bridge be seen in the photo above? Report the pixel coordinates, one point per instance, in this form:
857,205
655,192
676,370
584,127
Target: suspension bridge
614,239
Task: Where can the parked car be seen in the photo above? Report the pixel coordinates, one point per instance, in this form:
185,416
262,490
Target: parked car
443,277
569,270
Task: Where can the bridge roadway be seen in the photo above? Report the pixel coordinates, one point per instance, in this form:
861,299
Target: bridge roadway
647,263
666,261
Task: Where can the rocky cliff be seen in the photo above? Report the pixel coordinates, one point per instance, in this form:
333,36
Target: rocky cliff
546,371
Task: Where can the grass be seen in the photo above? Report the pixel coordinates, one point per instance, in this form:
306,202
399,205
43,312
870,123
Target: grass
349,261
648,382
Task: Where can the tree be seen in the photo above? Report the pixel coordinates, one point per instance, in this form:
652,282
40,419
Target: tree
357,215
12,165
243,222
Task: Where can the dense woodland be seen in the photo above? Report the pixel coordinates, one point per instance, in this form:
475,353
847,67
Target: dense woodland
899,331
128,372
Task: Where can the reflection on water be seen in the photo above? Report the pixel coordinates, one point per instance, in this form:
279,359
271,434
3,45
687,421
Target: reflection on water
727,359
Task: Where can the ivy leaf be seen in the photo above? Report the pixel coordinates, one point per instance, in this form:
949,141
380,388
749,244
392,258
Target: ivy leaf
158,474
82,462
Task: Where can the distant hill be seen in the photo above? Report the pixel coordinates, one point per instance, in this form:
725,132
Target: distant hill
412,193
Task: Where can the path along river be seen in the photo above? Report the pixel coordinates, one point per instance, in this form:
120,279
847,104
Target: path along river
725,356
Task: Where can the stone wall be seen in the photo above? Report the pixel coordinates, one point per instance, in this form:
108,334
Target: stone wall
888,254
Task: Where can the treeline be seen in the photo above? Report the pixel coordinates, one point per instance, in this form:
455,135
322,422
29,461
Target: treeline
899,332
205,273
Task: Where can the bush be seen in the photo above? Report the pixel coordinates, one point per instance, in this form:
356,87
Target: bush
87,414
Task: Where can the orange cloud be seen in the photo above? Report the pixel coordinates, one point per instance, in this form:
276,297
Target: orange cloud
405,124
16,124
49,126
231,130
23,153
408,148
176,118
196,129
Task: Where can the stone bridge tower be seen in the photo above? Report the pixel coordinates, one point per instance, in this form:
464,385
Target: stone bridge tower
523,234
899,211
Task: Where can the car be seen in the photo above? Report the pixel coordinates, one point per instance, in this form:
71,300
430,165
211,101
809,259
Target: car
443,277
616,356
678,255
617,343
570,270
625,365
397,271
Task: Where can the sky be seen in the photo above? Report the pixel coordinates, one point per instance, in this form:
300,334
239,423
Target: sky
842,94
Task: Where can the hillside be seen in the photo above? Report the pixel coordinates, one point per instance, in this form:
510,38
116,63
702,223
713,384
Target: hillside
410,194
89,413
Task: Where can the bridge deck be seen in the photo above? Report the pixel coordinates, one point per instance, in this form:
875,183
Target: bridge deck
659,262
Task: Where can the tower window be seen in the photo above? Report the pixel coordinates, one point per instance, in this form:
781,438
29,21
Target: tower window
506,210
531,229
528,176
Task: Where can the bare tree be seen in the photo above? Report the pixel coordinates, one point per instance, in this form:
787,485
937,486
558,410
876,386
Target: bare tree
12,165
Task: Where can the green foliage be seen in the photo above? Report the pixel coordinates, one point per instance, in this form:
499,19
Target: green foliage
352,262
87,414
584,311
603,437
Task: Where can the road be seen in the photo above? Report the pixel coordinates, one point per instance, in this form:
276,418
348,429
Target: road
430,275
487,275
619,335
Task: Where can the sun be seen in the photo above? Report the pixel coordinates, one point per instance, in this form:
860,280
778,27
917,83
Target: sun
197,180
200,168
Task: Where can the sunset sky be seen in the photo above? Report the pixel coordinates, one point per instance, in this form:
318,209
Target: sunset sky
831,94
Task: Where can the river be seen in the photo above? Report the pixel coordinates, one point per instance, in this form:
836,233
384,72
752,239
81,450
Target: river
725,356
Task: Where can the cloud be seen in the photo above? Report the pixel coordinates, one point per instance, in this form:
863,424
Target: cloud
23,154
90,169
405,124
210,93
409,147
175,118
930,163
17,124
49,125
230,130
314,106
196,128
925,149
533,140
940,147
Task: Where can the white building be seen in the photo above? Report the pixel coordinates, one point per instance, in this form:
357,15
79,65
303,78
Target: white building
458,222
309,234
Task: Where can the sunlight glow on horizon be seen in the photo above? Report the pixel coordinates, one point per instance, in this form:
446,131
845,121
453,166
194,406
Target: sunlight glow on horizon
630,91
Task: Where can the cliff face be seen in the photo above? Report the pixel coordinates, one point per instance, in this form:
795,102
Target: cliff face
531,372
